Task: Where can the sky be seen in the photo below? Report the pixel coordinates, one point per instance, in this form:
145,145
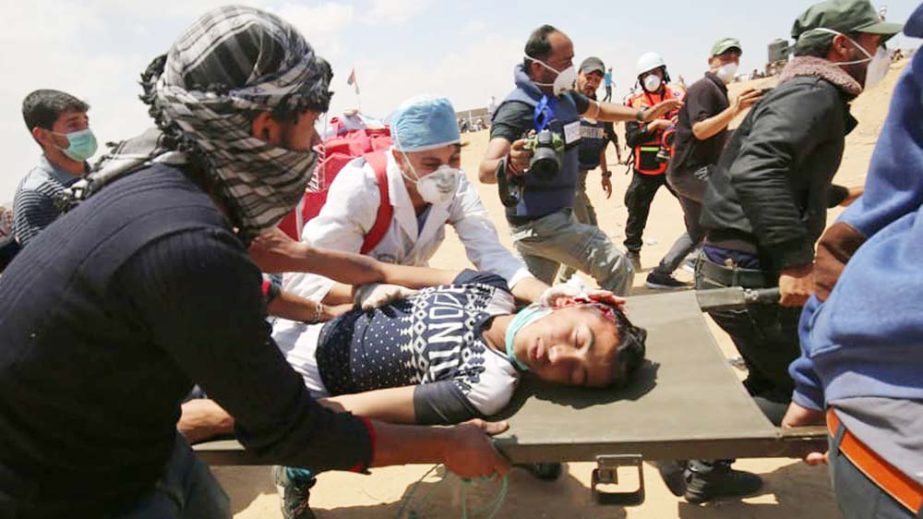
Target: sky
96,49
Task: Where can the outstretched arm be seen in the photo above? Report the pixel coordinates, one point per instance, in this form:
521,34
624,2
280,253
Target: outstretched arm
274,251
611,112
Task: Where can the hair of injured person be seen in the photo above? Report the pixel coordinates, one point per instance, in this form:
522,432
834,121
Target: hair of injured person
579,344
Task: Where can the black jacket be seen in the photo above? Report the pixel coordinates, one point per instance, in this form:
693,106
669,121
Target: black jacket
771,185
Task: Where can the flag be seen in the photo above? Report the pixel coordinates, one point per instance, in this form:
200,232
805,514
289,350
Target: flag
351,81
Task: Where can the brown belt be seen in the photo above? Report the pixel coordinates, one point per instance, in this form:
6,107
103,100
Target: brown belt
904,490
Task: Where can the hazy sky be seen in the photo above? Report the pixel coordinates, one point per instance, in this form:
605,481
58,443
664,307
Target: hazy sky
466,50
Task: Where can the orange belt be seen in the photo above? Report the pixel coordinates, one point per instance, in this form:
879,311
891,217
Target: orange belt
903,489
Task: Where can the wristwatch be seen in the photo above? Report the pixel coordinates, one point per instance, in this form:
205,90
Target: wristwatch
639,115
607,174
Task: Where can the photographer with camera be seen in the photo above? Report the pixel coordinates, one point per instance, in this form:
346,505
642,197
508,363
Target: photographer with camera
533,155
650,158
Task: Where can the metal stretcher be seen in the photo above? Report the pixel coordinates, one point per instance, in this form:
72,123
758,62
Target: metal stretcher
685,403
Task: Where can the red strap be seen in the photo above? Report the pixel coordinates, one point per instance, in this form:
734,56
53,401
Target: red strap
379,162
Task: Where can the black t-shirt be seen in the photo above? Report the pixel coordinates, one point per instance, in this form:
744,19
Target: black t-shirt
515,118
706,98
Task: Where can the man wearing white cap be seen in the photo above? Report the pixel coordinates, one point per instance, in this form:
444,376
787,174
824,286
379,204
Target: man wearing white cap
427,190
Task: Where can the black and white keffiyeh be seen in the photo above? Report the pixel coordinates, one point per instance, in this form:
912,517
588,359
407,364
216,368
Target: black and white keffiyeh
230,63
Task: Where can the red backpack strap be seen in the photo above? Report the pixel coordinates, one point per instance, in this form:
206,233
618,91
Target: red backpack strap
379,162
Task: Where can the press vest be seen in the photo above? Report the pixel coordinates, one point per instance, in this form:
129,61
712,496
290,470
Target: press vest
645,153
543,197
593,141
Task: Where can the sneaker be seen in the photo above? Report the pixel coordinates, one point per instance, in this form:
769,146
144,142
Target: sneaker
708,480
689,265
659,281
673,474
294,492
634,257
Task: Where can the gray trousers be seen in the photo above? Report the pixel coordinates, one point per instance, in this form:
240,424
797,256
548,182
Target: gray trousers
689,189
584,213
558,238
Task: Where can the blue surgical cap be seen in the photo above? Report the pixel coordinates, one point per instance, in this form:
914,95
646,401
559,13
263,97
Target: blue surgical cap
424,123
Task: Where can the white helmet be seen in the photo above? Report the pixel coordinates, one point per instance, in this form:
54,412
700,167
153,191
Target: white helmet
648,62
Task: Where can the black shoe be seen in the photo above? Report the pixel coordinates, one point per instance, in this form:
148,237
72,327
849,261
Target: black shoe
634,257
673,475
545,471
659,281
707,480
294,493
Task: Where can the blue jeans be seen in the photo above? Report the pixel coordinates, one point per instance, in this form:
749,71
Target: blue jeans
186,490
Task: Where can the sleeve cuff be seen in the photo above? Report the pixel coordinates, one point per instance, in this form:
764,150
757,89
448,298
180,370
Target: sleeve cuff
363,466
809,398
791,254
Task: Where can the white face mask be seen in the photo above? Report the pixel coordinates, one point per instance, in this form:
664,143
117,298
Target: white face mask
727,72
878,64
436,188
564,81
652,83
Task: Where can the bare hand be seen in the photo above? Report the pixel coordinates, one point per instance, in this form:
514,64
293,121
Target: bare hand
796,284
661,108
604,296
269,247
519,158
798,416
658,125
470,453
746,99
607,186
376,295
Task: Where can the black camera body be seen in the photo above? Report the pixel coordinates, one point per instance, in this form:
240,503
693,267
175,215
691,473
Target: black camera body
547,151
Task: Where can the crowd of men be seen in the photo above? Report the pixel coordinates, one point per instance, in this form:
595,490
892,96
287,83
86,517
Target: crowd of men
133,321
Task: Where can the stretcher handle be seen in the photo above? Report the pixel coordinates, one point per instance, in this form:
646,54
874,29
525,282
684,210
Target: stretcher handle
735,298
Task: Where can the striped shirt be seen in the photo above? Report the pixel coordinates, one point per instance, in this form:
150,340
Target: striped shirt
34,207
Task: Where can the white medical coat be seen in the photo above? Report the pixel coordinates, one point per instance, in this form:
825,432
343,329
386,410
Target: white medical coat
352,206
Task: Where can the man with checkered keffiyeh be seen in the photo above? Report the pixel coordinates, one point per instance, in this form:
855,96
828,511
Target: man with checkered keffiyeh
147,286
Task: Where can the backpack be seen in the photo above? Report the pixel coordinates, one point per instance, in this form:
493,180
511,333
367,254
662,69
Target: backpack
338,150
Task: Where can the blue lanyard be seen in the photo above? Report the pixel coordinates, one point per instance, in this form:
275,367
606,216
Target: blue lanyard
544,112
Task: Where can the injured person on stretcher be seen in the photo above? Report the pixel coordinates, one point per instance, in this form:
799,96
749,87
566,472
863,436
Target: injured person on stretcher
447,354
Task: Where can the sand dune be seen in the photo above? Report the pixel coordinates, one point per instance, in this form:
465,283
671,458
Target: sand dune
792,489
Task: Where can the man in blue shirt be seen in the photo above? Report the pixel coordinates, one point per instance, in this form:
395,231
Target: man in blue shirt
607,81
59,124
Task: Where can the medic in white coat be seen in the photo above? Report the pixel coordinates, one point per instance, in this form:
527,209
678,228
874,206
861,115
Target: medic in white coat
427,191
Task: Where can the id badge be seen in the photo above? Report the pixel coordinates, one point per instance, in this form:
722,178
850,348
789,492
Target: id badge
571,133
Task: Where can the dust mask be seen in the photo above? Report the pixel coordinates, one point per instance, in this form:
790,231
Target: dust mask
564,81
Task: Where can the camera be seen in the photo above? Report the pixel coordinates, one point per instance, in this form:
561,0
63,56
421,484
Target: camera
547,149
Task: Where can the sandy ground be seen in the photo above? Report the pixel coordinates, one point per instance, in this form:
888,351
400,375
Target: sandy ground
792,490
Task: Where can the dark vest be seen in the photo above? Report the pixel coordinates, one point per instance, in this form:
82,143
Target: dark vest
593,141
541,198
